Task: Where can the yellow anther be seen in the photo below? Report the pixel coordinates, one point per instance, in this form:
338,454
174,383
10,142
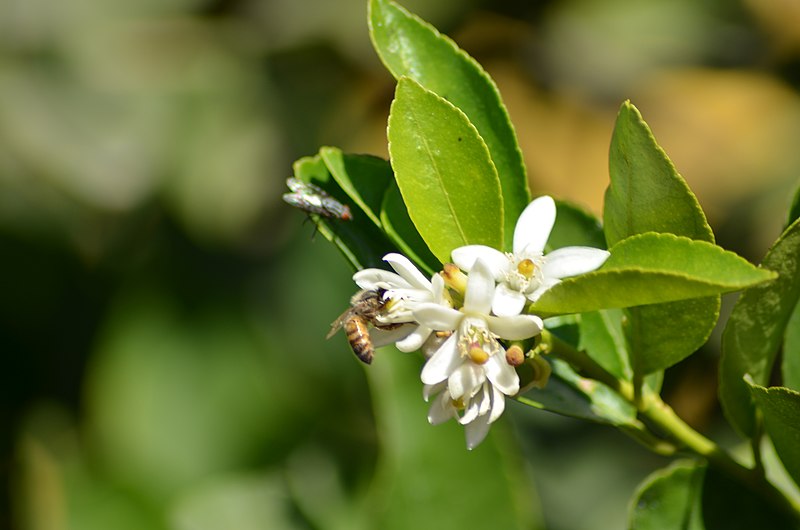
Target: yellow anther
515,356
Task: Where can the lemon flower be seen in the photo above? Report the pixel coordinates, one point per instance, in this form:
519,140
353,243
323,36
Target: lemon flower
469,369
527,272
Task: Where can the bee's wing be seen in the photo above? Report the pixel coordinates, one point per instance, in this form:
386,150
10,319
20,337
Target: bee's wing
337,324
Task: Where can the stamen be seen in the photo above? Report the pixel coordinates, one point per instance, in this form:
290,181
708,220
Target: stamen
515,356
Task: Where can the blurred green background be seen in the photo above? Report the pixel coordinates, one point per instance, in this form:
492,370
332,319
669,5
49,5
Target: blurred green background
163,313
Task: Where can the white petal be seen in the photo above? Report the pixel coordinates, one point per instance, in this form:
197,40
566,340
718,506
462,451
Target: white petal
485,400
437,317
437,288
432,390
571,261
414,340
441,410
498,405
379,279
465,258
507,302
480,289
516,327
502,375
470,413
442,363
465,380
382,337
546,284
476,431
403,266
534,225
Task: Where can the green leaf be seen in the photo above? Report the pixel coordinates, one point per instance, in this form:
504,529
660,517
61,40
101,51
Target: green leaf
669,499
398,226
412,48
363,178
575,227
603,339
359,240
651,268
791,351
569,394
422,469
755,329
647,194
781,409
444,172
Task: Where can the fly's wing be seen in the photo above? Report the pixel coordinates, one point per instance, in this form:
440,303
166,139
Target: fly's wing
337,324
307,203
301,187
295,184
336,209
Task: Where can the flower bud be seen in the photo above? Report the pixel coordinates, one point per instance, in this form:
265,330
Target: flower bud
454,278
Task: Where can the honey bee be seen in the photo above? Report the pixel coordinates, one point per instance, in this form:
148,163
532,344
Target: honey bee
365,307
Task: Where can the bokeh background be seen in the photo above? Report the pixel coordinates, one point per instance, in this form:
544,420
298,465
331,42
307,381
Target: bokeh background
163,313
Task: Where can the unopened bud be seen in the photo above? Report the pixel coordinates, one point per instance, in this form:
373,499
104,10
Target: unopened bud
454,278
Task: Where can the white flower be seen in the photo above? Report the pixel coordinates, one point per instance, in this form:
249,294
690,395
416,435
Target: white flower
403,290
527,273
476,413
470,367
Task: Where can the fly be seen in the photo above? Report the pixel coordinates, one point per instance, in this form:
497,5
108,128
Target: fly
314,200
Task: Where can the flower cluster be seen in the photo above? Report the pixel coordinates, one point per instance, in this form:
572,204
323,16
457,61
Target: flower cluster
467,374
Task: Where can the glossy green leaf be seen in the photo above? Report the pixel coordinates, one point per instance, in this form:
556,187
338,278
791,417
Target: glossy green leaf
363,178
686,325
427,466
790,367
651,268
603,339
444,172
781,409
569,394
647,194
575,227
412,48
755,330
398,226
359,240
669,499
